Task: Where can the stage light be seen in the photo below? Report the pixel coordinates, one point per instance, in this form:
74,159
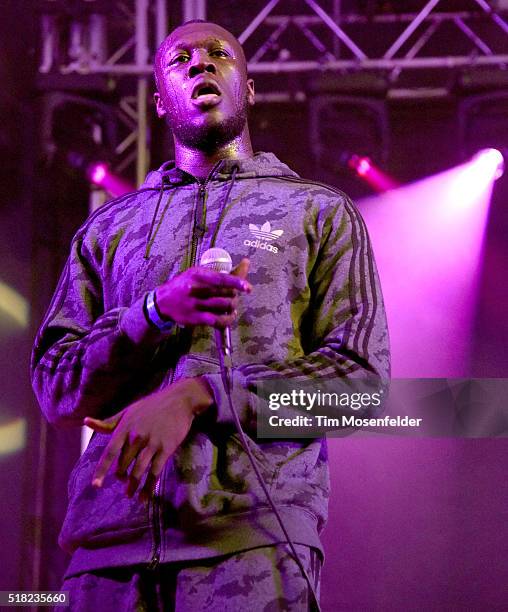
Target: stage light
97,173
369,172
363,166
428,238
475,179
14,305
100,174
490,163
12,436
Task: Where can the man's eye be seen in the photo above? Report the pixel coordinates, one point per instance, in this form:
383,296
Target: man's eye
219,52
179,59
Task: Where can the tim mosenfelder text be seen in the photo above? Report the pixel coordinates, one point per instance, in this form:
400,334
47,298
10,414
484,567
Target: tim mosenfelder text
303,400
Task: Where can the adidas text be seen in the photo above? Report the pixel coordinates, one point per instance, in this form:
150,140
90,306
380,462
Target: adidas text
261,245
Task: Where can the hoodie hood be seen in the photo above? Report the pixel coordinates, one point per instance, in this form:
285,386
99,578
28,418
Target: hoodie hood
260,165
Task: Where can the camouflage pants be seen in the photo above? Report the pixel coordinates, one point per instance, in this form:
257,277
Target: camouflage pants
264,579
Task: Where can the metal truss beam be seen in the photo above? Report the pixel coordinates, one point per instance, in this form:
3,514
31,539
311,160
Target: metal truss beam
336,41
194,9
416,63
419,29
143,21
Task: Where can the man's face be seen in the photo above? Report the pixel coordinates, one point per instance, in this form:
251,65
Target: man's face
204,92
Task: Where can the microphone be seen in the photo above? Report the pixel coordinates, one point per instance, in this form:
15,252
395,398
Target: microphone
217,259
220,261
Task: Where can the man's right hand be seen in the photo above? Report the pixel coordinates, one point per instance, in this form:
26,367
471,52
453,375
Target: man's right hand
200,296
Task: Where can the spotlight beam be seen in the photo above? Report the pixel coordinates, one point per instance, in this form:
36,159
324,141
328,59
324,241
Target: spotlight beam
428,237
370,173
99,174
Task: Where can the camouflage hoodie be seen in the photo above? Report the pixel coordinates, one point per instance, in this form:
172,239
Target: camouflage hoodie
316,309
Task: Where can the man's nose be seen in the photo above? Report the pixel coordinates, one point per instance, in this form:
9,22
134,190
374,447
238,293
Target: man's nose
201,62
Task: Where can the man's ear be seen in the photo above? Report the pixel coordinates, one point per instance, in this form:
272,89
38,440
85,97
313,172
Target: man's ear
159,105
251,94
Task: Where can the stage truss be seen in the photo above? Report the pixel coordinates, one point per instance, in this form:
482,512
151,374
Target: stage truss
336,41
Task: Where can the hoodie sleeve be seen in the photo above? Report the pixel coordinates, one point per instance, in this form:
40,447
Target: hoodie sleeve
347,319
84,360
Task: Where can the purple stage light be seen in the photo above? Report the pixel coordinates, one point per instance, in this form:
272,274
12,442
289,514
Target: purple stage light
370,173
428,238
490,163
97,173
363,166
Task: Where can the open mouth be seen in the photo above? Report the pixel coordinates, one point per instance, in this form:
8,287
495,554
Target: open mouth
205,89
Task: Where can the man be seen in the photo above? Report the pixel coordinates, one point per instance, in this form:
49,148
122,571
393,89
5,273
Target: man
165,509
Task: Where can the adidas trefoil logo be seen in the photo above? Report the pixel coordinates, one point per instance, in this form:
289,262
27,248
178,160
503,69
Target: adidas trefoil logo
264,235
265,232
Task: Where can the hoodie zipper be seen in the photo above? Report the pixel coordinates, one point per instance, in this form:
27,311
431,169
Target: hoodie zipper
198,231
197,228
154,561
157,536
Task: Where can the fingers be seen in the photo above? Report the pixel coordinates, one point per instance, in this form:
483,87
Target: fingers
201,291
153,475
147,456
216,279
142,462
242,269
200,296
105,426
214,320
111,452
148,488
217,305
128,454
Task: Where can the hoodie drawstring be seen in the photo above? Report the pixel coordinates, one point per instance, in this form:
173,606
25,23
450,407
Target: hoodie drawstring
157,206
215,231
151,235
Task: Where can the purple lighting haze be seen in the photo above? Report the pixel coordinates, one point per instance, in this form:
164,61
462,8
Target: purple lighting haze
99,174
428,239
370,173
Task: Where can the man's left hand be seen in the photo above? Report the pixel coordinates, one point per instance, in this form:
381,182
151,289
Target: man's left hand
148,432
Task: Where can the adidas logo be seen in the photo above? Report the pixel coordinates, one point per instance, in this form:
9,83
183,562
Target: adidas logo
264,235
265,232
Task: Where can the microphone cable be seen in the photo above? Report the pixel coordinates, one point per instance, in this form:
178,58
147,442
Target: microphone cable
226,376
219,260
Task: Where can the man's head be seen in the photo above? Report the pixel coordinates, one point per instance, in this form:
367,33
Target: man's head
203,90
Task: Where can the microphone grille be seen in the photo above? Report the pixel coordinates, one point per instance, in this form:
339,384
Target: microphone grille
217,259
